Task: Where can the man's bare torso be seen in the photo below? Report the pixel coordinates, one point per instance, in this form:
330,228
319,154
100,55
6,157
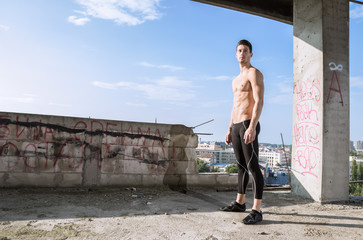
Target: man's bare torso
243,100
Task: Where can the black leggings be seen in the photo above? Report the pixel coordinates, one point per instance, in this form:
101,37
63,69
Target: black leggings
247,159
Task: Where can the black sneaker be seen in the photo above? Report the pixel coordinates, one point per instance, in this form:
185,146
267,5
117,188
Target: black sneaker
234,207
253,217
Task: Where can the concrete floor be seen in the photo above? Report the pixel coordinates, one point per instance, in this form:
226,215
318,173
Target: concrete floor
160,213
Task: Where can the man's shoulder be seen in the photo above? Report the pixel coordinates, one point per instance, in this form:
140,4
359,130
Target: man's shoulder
253,69
255,72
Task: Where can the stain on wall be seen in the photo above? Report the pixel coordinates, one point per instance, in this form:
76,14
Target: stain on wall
81,151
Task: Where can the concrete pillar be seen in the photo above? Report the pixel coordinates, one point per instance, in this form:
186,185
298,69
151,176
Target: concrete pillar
320,151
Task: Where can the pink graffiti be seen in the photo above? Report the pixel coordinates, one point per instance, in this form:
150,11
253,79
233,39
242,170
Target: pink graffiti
39,142
306,134
307,127
308,158
306,111
308,90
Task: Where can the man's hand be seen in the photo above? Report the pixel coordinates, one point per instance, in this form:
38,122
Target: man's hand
228,138
250,135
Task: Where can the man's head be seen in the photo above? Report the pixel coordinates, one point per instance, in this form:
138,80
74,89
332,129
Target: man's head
244,52
246,43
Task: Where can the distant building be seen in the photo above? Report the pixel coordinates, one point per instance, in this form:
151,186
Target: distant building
226,156
274,159
213,153
210,146
358,145
351,146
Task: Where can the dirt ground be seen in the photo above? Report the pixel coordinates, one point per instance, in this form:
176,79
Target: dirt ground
160,213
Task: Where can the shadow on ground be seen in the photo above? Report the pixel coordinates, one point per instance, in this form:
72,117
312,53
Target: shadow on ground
42,203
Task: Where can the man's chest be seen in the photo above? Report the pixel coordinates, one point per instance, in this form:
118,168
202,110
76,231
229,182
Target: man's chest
241,85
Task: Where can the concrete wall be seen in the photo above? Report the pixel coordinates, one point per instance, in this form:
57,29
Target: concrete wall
54,151
320,150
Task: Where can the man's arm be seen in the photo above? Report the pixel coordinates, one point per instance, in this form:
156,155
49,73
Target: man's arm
228,135
228,139
258,90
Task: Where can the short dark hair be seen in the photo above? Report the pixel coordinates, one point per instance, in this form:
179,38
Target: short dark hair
246,43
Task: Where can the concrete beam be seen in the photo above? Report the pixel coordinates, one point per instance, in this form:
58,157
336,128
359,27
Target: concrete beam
279,10
320,147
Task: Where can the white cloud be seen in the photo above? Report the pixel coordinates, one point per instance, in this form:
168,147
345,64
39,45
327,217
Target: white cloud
22,98
104,85
282,99
3,27
125,84
79,21
136,104
262,59
357,12
58,104
214,104
173,82
284,84
30,95
81,12
356,82
222,78
167,88
19,99
282,92
285,87
170,67
129,12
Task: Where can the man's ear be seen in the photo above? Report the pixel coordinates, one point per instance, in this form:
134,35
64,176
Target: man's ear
251,54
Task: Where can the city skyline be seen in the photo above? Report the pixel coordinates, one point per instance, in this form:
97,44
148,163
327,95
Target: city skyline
146,61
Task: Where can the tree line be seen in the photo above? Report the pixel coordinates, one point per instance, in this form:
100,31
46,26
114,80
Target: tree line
204,167
356,189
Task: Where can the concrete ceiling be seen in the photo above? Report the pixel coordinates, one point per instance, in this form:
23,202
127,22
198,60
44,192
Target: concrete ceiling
279,10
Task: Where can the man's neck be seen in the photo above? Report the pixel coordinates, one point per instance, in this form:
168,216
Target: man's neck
244,66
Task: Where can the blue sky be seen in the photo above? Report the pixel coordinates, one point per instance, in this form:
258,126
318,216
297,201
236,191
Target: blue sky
151,59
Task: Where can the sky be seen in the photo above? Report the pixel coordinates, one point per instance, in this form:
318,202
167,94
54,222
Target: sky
162,61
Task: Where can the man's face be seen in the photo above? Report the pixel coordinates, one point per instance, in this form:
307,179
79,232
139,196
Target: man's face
243,54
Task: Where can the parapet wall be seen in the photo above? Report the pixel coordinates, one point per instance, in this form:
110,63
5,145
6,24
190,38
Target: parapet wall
40,150
56,151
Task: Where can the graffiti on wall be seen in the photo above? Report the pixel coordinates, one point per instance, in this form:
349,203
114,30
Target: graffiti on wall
306,127
335,81
29,143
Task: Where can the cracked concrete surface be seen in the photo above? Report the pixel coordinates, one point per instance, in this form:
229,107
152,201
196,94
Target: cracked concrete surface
160,213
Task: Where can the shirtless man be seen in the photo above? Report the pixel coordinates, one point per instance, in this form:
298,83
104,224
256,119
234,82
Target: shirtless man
248,91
